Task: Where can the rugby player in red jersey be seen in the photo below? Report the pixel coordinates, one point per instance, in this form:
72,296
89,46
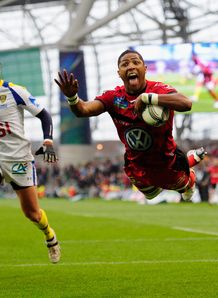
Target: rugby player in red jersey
153,161
204,76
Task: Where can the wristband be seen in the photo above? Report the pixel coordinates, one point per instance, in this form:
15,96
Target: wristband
150,98
73,100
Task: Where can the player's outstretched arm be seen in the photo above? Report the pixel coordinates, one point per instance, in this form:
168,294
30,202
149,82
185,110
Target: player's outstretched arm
69,87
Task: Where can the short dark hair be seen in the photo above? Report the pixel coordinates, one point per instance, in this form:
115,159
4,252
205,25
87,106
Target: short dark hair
127,52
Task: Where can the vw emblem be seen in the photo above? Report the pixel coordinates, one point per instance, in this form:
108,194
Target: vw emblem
138,139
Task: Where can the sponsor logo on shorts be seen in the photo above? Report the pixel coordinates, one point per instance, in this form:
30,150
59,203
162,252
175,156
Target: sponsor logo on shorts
19,168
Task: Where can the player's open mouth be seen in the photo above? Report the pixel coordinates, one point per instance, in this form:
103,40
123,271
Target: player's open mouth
132,78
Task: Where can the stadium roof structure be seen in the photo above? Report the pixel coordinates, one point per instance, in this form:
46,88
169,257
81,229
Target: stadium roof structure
77,23
102,29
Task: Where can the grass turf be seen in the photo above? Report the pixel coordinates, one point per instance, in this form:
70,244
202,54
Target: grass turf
187,87
112,249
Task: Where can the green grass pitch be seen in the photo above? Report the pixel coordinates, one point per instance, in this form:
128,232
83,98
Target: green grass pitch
187,87
111,249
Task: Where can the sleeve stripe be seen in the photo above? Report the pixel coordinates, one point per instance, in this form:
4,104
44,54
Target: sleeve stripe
17,97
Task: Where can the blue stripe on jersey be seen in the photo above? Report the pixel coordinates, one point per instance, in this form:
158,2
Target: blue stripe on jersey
34,173
5,84
17,97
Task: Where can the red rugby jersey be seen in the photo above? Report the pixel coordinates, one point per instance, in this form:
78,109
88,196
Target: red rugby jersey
146,145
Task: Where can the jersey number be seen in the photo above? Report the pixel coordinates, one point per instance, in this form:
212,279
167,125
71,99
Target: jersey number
4,129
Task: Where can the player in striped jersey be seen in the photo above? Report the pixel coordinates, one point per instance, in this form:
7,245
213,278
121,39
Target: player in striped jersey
16,160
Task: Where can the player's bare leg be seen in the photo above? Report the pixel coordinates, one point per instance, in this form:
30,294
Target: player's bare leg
30,206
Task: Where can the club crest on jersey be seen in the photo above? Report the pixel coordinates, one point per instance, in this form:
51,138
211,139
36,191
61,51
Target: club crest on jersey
19,168
3,102
120,102
138,139
3,99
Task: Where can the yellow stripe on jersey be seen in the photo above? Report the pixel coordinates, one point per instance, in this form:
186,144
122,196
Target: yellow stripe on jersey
10,84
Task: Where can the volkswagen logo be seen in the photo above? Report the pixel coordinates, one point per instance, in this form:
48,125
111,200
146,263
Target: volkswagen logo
138,139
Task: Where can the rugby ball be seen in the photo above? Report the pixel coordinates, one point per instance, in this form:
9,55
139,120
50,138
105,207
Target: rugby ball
155,115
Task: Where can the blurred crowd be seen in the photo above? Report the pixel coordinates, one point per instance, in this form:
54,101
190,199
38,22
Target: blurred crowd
105,178
92,179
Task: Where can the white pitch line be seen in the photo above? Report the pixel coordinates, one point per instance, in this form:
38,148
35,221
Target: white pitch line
139,262
196,231
90,241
